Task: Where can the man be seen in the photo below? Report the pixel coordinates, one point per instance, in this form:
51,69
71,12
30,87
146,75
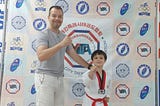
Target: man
51,47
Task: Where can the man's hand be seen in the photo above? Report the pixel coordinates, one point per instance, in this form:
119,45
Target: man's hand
66,41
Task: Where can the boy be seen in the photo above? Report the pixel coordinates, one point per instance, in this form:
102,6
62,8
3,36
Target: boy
96,82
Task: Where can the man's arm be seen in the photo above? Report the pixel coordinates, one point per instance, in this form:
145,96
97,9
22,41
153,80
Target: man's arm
72,53
44,53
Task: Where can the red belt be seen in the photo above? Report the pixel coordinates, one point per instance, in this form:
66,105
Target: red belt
98,100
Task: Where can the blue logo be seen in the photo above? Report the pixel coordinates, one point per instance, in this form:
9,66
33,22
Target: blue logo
144,29
1,49
82,7
14,65
19,3
82,49
144,92
144,9
122,49
124,8
1,19
39,24
40,5
144,70
33,89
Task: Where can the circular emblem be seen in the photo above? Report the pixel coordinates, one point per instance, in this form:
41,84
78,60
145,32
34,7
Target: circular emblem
123,29
63,4
82,7
144,50
39,24
122,91
122,70
86,38
18,22
144,70
78,89
13,86
123,49
103,8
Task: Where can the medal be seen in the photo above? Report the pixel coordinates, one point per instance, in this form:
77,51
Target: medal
101,91
101,82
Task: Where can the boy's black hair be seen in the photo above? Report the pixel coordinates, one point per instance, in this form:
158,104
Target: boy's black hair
56,7
99,52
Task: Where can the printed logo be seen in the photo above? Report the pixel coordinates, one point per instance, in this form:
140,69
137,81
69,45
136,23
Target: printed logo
19,3
124,8
11,104
144,29
13,86
144,9
39,24
18,22
144,92
144,50
1,49
82,7
123,29
83,47
103,8
16,44
122,70
144,70
15,64
40,5
33,89
78,89
122,91
86,38
122,49
63,4
1,19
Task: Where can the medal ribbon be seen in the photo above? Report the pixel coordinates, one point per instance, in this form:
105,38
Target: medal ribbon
102,80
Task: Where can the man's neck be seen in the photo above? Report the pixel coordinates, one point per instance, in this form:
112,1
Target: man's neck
55,30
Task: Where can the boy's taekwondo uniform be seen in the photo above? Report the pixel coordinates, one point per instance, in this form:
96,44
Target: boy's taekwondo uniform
96,89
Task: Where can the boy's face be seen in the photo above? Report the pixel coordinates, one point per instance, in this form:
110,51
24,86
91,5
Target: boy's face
98,60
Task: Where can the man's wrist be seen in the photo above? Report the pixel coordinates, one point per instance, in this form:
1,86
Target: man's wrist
89,66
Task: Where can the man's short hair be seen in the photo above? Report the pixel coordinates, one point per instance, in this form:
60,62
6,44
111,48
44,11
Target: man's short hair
56,7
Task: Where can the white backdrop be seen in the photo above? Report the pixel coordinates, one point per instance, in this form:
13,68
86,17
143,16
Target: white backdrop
125,30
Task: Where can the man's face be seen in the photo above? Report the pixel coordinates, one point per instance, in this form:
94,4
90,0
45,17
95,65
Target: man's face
55,18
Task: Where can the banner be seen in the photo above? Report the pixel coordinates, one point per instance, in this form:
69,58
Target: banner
125,30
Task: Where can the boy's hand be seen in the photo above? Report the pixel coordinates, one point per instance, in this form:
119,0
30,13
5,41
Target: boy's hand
107,99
